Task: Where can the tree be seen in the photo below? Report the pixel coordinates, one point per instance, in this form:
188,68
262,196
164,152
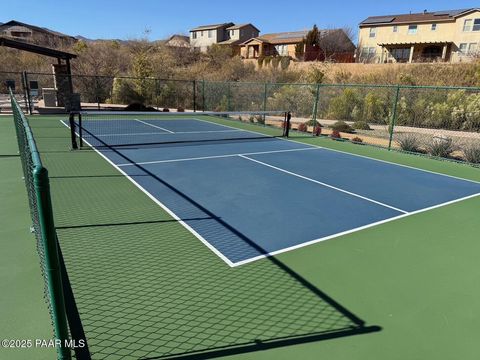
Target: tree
335,41
300,49
313,37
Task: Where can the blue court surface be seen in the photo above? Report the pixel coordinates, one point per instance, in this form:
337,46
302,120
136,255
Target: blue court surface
250,198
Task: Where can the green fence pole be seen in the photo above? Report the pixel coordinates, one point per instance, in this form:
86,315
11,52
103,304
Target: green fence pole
52,263
394,117
194,95
228,96
315,108
203,96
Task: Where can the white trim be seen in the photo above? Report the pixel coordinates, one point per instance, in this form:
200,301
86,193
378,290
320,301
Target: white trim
178,132
273,253
325,184
159,203
155,126
213,157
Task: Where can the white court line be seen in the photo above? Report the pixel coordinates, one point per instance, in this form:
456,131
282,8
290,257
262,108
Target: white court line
273,253
325,184
352,154
155,126
169,134
164,207
213,157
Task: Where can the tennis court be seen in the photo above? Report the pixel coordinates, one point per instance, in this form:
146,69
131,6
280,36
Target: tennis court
185,236
247,195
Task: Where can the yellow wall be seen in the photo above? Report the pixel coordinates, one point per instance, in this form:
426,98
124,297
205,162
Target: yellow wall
451,31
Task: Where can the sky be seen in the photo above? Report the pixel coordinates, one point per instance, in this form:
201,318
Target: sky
129,19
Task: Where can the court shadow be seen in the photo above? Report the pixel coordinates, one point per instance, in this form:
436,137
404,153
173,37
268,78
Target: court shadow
183,301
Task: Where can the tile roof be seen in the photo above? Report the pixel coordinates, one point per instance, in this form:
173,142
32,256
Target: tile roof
416,17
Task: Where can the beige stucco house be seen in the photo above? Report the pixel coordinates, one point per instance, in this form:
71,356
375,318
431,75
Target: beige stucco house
282,44
224,34
450,36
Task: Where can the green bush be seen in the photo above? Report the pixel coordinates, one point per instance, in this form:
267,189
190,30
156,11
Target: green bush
472,153
342,126
441,146
341,107
408,142
361,125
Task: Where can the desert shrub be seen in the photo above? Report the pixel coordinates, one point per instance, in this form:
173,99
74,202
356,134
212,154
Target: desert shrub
260,61
251,119
260,119
335,134
275,61
361,125
267,60
408,142
123,92
342,126
374,108
284,62
297,99
166,110
312,122
317,131
356,139
302,127
472,153
440,146
180,109
341,107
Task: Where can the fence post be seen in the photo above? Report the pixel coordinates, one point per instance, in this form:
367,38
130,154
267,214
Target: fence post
315,108
26,92
52,263
228,95
96,92
194,95
394,117
203,96
265,92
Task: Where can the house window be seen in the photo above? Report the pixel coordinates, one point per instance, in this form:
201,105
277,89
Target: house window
201,33
467,25
400,54
210,33
371,51
434,27
412,29
373,32
463,48
476,25
395,28
232,33
194,35
472,48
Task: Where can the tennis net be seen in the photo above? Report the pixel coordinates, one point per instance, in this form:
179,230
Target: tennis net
123,128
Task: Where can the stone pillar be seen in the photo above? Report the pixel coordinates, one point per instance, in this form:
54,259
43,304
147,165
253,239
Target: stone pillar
412,49
382,54
62,83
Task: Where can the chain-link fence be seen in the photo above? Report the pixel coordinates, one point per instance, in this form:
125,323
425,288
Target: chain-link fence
439,121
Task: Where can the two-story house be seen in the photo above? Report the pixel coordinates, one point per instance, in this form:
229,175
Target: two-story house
224,34
36,35
451,35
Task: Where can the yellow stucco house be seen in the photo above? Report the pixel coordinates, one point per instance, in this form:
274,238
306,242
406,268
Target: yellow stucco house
449,36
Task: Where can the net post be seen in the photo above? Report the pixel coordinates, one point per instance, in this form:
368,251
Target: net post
394,116
80,129
73,137
52,263
315,108
286,128
194,83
